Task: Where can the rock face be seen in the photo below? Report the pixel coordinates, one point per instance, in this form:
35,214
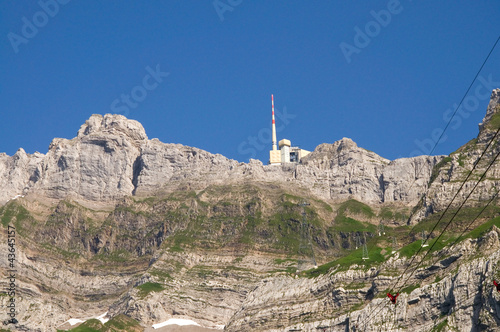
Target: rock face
115,222
478,155
462,300
111,158
342,170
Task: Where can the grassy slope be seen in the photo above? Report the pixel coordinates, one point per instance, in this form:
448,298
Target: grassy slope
116,324
243,218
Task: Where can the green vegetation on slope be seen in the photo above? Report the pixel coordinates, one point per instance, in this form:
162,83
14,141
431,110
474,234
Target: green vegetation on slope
463,218
355,207
387,213
16,215
350,225
227,225
494,122
375,257
347,224
377,254
116,324
149,287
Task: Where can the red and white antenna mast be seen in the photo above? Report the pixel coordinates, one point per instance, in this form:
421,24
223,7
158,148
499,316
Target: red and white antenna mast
275,147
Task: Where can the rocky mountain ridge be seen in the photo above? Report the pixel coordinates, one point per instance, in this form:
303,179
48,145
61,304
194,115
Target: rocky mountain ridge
111,158
111,221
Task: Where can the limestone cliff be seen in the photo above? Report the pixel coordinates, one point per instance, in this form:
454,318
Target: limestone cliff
112,221
449,174
111,158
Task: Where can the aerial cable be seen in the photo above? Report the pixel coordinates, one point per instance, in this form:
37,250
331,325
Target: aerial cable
463,183
446,127
418,172
470,224
451,202
463,203
497,285
453,115
449,205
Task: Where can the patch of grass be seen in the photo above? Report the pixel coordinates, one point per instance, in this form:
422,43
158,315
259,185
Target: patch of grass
283,228
91,325
356,306
386,213
440,326
410,289
355,207
181,240
494,122
482,229
122,323
238,260
176,248
324,205
355,285
14,214
463,218
149,287
161,274
411,249
348,225
7,212
116,324
66,254
375,257
252,223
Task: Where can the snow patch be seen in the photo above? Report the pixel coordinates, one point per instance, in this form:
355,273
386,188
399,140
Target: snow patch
176,321
15,197
102,319
74,321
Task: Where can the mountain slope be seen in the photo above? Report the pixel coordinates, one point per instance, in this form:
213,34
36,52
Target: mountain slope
111,221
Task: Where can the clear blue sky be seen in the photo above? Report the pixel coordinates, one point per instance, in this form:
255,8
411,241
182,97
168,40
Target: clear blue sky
400,77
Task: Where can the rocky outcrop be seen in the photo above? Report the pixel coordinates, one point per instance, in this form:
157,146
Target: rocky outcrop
342,170
491,110
456,293
455,170
186,233
111,157
18,173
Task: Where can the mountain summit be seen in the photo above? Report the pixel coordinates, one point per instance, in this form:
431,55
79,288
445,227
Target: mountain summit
114,225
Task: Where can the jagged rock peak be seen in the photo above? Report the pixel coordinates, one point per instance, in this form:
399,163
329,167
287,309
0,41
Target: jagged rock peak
340,145
340,148
112,123
493,108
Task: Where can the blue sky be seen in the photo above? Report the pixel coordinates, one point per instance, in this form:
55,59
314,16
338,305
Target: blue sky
384,73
